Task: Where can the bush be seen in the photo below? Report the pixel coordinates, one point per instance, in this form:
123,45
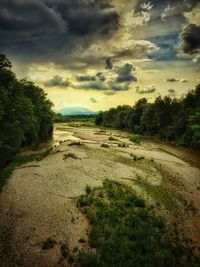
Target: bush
125,232
105,145
122,145
135,138
112,138
88,189
25,114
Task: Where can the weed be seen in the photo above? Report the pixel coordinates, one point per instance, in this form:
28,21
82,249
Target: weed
64,251
48,244
135,138
135,158
88,189
122,145
82,240
112,138
105,145
125,232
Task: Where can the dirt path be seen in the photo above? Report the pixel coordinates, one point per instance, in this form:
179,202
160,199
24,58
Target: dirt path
38,205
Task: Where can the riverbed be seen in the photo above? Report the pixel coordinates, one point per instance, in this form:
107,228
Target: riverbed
39,201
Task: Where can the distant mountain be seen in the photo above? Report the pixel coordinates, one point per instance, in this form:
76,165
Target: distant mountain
72,111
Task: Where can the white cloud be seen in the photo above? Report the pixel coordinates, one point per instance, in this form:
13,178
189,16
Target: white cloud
147,90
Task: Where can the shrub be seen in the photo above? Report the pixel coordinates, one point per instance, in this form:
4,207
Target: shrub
112,138
105,145
48,244
64,251
88,189
135,138
125,232
122,145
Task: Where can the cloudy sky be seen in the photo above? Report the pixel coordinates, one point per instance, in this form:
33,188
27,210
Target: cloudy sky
103,53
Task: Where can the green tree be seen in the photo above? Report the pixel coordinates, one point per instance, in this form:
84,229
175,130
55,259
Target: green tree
25,113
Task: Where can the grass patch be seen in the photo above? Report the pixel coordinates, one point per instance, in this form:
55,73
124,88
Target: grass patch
19,160
125,232
88,122
122,145
48,244
82,240
112,138
135,158
135,138
88,189
105,145
64,251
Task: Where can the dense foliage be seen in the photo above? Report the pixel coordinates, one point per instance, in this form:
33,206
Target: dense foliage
58,117
125,232
172,120
25,113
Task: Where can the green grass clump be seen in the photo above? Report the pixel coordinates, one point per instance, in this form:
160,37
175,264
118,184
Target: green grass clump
64,251
125,232
48,244
82,240
135,158
135,138
112,138
88,189
19,160
105,145
122,145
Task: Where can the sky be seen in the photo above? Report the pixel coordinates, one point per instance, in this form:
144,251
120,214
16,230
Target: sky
103,53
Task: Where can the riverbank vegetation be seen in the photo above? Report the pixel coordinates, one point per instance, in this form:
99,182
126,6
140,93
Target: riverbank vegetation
173,120
126,232
25,113
75,120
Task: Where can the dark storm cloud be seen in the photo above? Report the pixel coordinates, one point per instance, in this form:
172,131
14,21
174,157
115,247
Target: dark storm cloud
90,78
85,78
105,87
101,76
57,81
191,39
172,80
120,80
40,28
125,74
119,87
98,86
168,46
109,64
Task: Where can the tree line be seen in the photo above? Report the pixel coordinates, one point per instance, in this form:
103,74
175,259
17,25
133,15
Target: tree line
173,120
25,113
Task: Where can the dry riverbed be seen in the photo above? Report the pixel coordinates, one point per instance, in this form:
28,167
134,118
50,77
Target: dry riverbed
39,220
